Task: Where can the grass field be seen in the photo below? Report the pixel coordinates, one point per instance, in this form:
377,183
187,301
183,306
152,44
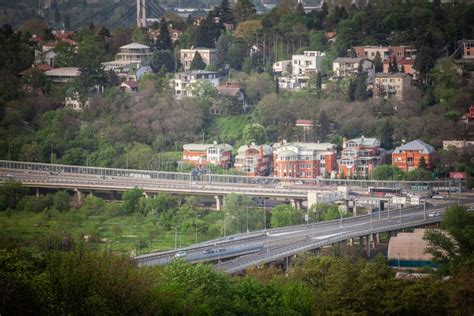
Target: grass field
118,233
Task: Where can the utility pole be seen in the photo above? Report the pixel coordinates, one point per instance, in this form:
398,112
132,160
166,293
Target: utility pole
175,237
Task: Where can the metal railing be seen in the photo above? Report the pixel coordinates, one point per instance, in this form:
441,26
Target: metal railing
229,179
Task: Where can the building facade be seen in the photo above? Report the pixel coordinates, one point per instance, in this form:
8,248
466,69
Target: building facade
186,56
468,49
392,85
254,160
345,67
303,160
407,157
360,156
201,155
458,144
185,83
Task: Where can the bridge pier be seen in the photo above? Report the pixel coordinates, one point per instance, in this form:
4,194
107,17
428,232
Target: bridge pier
351,242
113,195
296,204
367,245
37,192
219,202
80,195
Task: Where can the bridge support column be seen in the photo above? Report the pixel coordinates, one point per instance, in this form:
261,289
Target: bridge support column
367,245
113,195
219,202
80,195
296,204
286,263
351,242
374,240
37,192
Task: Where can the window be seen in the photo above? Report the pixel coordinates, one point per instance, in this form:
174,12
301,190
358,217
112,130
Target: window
308,165
301,165
308,174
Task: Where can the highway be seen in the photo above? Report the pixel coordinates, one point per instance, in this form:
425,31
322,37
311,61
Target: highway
246,250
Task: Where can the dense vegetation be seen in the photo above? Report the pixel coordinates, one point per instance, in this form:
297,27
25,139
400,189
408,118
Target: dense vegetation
59,275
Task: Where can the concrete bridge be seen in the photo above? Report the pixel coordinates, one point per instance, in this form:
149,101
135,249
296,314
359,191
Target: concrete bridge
83,179
239,252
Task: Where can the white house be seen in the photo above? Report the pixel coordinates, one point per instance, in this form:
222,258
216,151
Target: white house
184,82
344,67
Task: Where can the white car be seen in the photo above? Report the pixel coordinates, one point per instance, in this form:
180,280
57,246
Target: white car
180,254
438,197
433,214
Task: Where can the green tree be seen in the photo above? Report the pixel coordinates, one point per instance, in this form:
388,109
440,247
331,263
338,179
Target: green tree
93,205
61,201
254,133
244,10
457,245
378,63
285,215
387,172
11,192
65,55
130,200
162,61
197,63
164,40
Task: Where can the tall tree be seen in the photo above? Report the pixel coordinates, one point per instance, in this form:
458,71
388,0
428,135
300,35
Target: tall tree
164,39
244,10
162,61
197,63
378,63
422,163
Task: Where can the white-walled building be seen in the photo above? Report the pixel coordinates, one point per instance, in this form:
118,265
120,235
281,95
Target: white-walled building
306,64
184,82
131,62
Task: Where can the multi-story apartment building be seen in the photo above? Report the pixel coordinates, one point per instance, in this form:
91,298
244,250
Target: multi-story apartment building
306,64
371,51
408,156
345,67
201,155
303,160
185,83
294,74
360,156
458,144
387,85
399,52
254,160
186,56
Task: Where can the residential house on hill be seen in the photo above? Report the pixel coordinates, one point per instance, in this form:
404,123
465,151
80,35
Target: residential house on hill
131,62
344,67
183,82
254,160
303,160
186,56
201,155
360,156
408,156
387,85
236,95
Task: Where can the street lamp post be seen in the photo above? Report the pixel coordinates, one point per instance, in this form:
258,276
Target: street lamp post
247,219
264,215
176,237
196,229
424,209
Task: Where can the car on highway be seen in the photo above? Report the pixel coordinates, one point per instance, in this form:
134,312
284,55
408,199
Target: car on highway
11,175
180,254
470,208
433,214
438,197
